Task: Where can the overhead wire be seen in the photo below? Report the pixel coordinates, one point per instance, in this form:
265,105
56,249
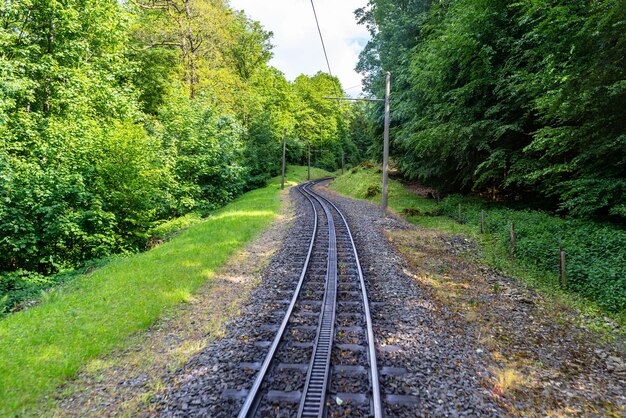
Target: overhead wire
319,30
321,37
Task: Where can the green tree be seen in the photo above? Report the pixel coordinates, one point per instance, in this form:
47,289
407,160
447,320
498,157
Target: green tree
69,116
323,122
523,99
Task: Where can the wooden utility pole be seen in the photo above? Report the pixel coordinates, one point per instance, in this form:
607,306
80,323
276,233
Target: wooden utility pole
308,176
282,183
342,161
386,142
386,134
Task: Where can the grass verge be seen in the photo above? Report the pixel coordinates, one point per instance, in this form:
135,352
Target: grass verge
533,245
41,347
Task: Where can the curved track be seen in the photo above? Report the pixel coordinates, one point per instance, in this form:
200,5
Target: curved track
322,360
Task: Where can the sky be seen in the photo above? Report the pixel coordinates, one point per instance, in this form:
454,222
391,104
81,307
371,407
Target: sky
297,46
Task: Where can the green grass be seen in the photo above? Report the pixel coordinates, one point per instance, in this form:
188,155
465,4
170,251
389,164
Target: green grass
95,313
358,180
596,252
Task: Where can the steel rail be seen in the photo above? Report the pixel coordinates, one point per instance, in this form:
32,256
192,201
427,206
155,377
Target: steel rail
376,399
247,407
318,371
314,393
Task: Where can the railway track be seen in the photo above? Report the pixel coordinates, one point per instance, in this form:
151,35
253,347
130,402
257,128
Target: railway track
322,360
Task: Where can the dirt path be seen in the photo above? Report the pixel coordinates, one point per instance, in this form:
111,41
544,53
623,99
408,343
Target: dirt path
544,364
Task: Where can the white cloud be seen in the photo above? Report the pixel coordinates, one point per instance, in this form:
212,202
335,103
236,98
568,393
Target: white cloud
297,45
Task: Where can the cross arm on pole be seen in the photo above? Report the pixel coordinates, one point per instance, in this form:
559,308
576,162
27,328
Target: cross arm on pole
353,99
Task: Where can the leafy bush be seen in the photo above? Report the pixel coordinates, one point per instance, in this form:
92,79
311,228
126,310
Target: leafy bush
595,252
372,191
18,286
206,148
21,289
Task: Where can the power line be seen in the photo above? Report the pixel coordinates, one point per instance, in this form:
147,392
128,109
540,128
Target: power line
321,38
324,48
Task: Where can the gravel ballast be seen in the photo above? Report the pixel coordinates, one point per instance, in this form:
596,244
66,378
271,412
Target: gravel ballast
453,337
433,358
426,367
445,375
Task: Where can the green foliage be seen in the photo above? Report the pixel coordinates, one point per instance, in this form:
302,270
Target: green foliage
527,99
363,135
156,68
19,285
118,116
77,170
84,173
327,126
251,49
207,148
273,103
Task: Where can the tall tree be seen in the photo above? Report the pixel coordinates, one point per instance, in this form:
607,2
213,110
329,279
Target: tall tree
197,28
321,121
521,99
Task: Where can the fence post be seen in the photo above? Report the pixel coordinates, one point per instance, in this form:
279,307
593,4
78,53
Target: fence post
512,233
562,268
482,221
